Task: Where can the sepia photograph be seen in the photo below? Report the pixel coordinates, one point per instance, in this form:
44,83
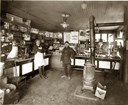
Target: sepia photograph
64,52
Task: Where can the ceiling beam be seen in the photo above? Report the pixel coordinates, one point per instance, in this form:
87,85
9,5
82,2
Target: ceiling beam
109,24
32,15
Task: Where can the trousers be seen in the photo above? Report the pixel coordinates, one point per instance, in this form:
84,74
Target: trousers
42,71
67,69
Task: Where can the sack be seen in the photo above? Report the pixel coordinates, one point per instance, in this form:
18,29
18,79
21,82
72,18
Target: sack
100,91
1,97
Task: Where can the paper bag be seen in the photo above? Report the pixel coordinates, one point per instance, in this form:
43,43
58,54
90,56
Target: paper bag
100,91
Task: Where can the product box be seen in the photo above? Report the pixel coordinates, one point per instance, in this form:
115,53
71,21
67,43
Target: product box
14,18
100,91
1,97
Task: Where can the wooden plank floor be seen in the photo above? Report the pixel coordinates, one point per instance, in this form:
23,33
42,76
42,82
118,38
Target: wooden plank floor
58,91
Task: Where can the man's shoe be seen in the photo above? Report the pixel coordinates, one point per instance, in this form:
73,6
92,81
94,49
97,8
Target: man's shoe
63,76
45,77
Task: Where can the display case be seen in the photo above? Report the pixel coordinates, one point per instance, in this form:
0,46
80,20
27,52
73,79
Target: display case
25,67
101,63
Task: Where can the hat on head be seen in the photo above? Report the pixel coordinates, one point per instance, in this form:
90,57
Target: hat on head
100,40
66,42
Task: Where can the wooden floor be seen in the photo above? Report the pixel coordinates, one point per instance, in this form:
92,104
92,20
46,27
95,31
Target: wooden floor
58,91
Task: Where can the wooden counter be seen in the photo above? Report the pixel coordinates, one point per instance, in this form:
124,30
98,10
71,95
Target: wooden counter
101,63
21,67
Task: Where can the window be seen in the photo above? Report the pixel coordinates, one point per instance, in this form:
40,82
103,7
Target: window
105,37
120,42
110,38
97,37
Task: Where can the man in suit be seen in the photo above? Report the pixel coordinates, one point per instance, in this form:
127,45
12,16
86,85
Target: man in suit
67,54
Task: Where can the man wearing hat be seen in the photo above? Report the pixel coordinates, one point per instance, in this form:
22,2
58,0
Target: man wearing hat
67,54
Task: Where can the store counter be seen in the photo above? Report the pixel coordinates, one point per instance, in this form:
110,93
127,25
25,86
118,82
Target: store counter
21,67
101,63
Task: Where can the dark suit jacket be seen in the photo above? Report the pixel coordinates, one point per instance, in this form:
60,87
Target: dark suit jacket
67,54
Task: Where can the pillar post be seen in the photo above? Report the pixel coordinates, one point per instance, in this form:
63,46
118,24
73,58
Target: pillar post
92,39
89,67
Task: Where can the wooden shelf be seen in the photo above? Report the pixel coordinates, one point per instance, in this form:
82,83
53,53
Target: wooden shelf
15,23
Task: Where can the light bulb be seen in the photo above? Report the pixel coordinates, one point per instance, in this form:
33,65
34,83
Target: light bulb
64,25
83,6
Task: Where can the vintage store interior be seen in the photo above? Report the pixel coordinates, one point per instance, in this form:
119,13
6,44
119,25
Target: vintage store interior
96,31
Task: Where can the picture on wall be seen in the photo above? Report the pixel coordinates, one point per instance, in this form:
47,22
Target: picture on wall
71,37
67,36
82,35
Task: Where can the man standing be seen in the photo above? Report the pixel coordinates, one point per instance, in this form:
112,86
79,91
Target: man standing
67,54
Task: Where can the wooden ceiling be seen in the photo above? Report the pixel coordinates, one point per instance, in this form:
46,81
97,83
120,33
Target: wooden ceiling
46,15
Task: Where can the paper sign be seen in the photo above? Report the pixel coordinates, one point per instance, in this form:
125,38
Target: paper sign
67,36
71,37
74,37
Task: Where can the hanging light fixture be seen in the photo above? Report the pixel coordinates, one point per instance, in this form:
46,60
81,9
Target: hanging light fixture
84,5
65,24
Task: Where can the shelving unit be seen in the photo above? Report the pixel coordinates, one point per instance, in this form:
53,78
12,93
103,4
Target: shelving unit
17,31
10,31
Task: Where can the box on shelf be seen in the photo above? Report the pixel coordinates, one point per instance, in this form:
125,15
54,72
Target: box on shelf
14,18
